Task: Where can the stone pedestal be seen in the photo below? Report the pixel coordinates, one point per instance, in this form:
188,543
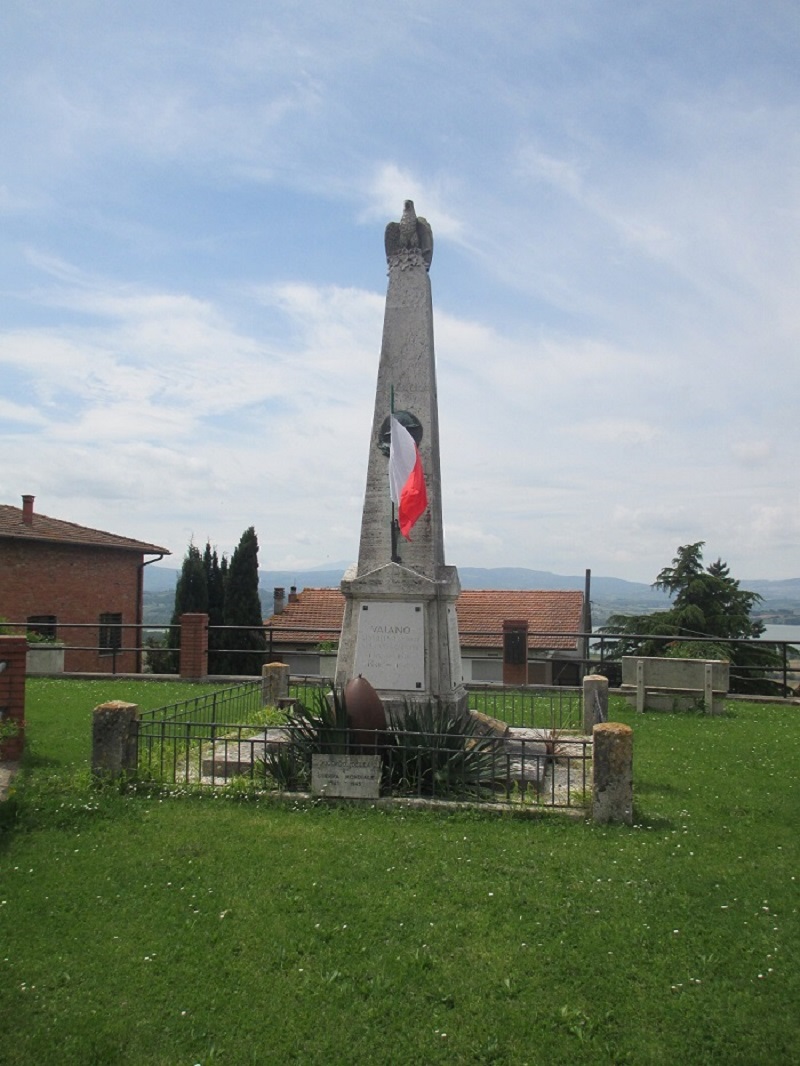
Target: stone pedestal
613,773
274,684
115,731
595,701
400,632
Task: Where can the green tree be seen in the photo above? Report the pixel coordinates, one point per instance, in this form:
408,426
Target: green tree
215,582
706,603
246,645
191,596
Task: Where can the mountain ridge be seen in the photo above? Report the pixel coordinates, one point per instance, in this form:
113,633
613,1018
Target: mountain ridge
609,593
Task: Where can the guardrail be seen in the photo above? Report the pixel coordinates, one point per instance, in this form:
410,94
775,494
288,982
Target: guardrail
128,648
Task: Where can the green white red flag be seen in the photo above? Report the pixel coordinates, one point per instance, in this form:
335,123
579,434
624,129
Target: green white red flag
406,478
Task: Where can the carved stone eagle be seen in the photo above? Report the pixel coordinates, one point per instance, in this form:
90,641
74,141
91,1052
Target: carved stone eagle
410,234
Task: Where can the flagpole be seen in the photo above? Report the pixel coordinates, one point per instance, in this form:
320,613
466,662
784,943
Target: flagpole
393,521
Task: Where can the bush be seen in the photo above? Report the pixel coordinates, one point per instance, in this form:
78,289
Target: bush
322,730
158,656
436,750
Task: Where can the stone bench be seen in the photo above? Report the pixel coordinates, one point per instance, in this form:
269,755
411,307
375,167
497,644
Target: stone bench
675,684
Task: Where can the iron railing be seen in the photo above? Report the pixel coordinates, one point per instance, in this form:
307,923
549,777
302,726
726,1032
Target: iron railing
528,706
132,643
534,769
216,738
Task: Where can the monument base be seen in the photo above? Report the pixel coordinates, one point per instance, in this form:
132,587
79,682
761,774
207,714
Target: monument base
400,632
396,705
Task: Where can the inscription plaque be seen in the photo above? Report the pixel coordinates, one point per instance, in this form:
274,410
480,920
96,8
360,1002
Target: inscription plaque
390,645
346,776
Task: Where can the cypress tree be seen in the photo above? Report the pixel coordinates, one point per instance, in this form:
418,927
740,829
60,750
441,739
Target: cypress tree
216,606
243,608
191,595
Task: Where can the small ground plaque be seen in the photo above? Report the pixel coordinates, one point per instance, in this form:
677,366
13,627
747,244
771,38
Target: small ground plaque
346,776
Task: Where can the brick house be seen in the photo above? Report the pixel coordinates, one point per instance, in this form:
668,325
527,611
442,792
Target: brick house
80,585
300,624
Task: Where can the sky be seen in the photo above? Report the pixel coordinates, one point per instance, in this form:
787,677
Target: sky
192,273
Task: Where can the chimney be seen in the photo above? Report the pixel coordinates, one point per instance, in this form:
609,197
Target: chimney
293,597
27,510
278,601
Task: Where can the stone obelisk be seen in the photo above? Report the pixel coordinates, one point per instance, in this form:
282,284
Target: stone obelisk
400,630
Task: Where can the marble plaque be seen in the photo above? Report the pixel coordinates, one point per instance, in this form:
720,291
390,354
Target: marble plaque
390,645
346,776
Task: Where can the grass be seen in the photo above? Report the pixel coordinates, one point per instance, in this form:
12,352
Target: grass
141,929
530,707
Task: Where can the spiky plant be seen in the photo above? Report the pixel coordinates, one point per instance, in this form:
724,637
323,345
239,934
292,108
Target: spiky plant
321,729
437,750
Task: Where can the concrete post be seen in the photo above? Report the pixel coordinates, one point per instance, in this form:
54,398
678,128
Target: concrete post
13,652
613,773
194,646
595,701
274,683
115,731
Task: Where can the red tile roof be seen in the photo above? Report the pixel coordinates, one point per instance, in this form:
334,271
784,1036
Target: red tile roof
481,613
317,615
54,531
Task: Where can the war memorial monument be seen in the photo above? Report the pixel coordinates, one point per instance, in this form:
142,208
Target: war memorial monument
399,630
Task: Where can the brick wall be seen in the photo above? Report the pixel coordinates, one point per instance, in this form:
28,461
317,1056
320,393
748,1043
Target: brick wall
76,584
12,694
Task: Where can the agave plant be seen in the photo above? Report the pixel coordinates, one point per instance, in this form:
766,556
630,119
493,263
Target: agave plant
322,729
437,750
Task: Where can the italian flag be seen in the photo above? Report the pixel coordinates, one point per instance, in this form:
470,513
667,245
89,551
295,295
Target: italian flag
406,479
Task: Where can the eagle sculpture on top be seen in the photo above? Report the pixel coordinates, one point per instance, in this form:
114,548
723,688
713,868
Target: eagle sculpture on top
410,234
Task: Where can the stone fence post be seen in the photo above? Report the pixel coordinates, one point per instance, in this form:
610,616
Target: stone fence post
274,684
194,646
595,701
612,799
115,732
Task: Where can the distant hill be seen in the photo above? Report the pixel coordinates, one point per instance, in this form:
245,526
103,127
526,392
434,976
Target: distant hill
777,594
609,595
160,578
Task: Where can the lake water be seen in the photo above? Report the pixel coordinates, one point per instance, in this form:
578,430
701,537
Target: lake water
782,633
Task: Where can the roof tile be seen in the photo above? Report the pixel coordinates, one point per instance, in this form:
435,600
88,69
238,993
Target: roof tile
316,615
54,531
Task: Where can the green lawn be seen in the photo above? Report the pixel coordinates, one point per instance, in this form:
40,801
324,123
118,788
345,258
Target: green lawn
140,928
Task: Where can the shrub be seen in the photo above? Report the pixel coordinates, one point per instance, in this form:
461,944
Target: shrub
158,655
320,730
434,749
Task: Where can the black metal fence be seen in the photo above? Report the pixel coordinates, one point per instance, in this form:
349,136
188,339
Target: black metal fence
156,649
229,736
529,706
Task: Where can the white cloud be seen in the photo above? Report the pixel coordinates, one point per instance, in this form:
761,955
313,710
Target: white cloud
752,452
392,185
193,272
